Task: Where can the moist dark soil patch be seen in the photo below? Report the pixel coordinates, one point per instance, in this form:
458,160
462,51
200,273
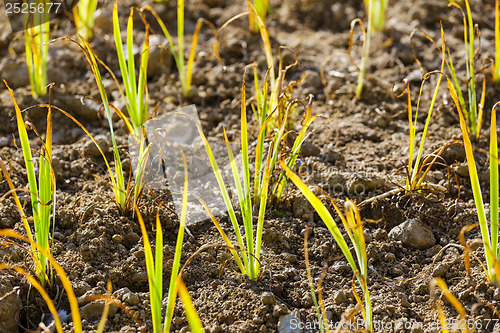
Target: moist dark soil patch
359,149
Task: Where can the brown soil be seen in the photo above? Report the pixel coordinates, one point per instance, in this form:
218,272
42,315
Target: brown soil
358,150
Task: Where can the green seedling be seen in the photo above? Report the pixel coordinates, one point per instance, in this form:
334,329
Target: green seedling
496,64
36,35
366,45
121,192
185,71
489,236
42,191
261,7
272,111
154,265
416,173
354,227
250,250
75,313
378,9
472,110
83,14
136,92
264,166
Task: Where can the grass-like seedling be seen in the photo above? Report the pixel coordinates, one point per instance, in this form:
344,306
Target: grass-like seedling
136,92
416,173
366,45
36,35
185,71
496,64
472,110
83,14
265,163
261,7
120,190
42,191
75,313
490,237
354,227
250,250
154,266
378,9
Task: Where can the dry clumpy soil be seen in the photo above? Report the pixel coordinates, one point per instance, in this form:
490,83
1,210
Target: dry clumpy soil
358,150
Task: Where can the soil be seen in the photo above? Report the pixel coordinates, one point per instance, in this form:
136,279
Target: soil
358,149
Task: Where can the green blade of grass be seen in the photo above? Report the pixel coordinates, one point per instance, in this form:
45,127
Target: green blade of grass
118,183
323,213
225,196
73,303
496,69
476,188
494,183
34,283
192,316
172,290
155,290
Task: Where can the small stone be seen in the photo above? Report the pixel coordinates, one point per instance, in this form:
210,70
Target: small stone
413,233
127,329
465,294
389,257
10,305
93,311
130,298
307,301
291,258
339,297
462,170
131,238
440,270
380,234
309,149
117,239
91,150
496,294
368,237
267,298
279,309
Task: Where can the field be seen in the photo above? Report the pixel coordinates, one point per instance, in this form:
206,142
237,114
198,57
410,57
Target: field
356,148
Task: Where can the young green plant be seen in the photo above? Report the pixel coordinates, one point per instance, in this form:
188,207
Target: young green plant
154,266
496,64
488,234
83,14
185,70
366,45
136,92
378,9
250,250
120,190
73,303
261,7
354,227
416,175
472,110
42,191
36,36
